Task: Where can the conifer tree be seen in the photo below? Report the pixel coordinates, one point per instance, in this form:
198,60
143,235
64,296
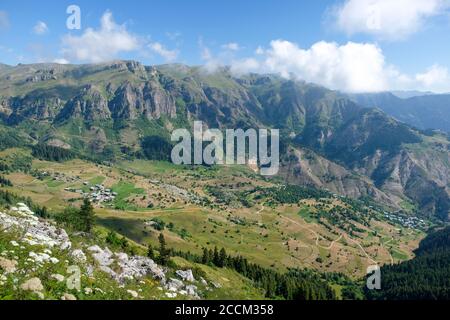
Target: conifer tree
164,254
87,216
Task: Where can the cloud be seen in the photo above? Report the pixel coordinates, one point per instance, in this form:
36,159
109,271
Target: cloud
351,67
4,20
232,46
243,66
61,61
436,78
40,28
388,19
166,54
211,62
259,50
100,45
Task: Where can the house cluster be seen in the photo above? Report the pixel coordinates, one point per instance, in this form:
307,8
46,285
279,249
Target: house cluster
97,193
57,176
405,221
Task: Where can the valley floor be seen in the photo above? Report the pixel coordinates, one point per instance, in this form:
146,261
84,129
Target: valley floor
203,207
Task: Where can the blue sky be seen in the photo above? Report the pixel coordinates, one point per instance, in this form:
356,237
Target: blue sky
351,45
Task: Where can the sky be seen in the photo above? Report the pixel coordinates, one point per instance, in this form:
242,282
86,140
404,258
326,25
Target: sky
347,45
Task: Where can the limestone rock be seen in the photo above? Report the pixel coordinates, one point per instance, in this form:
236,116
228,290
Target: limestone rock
186,275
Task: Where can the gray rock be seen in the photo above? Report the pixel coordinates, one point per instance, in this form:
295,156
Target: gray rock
192,291
186,275
174,285
78,255
36,232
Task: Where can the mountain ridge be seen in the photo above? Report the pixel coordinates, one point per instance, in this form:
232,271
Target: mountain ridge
427,111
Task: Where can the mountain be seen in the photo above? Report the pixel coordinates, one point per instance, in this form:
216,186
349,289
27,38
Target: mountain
411,93
425,111
330,141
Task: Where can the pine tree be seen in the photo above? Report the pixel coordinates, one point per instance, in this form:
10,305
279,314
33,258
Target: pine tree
216,257
205,256
163,252
211,256
150,252
87,216
222,258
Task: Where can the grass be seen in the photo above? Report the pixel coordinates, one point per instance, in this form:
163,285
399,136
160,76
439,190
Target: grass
306,214
262,236
97,180
124,190
399,255
233,286
408,206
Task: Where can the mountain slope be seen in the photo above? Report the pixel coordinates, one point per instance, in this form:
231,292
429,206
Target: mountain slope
105,110
427,276
428,111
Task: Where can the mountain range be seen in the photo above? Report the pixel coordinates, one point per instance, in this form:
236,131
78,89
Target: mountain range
422,110
329,140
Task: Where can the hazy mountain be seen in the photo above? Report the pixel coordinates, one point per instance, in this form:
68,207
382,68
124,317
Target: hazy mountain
106,110
411,93
427,111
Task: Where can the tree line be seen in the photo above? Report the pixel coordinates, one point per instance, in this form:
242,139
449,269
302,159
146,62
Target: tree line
50,153
295,284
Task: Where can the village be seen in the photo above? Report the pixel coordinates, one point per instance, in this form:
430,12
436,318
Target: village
406,221
96,194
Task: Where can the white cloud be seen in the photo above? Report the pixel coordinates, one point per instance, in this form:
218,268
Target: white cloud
211,63
4,20
40,28
389,19
61,61
351,67
436,78
232,46
100,45
244,66
259,50
168,55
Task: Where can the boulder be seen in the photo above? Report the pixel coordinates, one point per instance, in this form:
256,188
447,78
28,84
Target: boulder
78,255
186,275
174,285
